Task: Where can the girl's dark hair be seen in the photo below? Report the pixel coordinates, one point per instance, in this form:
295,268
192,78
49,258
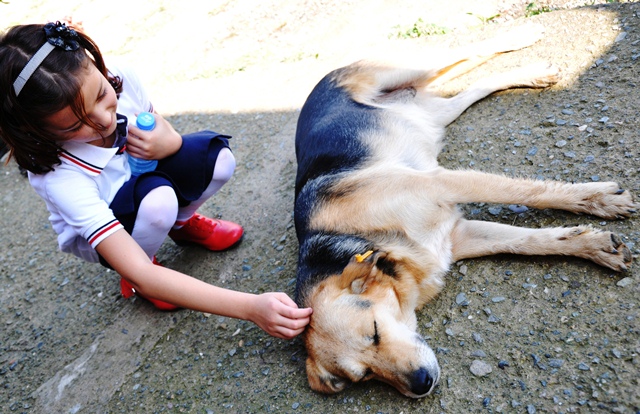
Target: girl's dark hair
53,86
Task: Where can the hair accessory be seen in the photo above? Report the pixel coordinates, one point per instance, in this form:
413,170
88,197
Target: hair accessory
58,35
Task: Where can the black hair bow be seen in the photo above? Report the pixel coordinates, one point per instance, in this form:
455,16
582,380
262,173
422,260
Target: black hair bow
58,34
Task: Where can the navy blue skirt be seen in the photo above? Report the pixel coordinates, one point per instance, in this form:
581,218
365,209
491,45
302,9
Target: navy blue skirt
189,172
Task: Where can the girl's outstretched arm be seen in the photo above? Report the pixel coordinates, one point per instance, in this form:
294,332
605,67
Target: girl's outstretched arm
273,312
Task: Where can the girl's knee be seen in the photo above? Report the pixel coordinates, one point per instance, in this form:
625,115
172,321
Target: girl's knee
225,165
159,207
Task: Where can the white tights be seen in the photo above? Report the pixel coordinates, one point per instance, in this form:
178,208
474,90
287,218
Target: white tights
158,212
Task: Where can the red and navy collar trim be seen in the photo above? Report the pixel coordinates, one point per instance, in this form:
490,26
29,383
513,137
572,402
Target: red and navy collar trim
91,168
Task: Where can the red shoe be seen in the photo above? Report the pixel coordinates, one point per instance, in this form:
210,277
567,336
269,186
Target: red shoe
128,291
213,234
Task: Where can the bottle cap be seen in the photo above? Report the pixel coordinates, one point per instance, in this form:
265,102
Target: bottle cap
146,121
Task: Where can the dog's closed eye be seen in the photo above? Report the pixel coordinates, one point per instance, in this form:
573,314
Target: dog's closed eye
376,337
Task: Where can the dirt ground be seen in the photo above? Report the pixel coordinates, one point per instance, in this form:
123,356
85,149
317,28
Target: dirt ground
560,335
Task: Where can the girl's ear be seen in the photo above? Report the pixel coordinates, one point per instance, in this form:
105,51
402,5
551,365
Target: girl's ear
361,271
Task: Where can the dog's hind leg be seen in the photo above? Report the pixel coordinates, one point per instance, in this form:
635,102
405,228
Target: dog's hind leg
459,61
479,238
537,75
368,81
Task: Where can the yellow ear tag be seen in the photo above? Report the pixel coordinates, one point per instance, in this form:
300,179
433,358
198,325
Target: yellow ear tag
360,257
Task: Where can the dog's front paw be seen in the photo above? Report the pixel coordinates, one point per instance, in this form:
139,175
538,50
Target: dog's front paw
606,200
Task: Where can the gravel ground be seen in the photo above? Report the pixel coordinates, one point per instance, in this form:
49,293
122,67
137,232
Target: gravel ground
512,334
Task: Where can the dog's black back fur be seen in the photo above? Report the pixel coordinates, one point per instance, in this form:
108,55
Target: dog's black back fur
327,146
327,135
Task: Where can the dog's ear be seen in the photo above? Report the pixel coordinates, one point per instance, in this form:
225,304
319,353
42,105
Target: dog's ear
361,271
321,380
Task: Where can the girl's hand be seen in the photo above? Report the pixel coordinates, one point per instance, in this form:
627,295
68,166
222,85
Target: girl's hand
278,315
159,143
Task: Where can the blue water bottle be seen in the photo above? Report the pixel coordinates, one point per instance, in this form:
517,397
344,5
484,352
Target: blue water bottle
146,122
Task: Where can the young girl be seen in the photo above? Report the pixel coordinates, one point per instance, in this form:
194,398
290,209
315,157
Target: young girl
68,120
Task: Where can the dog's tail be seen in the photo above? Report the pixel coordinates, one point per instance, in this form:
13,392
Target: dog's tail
371,82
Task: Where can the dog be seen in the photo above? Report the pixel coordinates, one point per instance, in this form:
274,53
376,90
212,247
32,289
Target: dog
377,220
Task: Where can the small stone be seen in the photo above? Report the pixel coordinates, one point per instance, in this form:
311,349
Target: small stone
536,359
498,299
556,362
494,211
561,143
624,282
583,367
461,300
480,368
518,209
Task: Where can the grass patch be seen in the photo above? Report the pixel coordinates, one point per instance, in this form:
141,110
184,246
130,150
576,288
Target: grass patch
533,9
419,29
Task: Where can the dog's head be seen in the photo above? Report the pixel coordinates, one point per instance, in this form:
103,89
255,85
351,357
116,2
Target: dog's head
364,327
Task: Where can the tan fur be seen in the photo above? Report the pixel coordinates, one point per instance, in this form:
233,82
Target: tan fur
364,324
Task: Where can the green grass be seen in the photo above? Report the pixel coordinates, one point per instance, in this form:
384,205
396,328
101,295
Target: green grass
533,10
419,29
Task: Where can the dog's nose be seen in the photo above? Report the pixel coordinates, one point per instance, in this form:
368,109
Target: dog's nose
421,382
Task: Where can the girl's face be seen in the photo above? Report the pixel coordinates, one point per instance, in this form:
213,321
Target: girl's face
100,103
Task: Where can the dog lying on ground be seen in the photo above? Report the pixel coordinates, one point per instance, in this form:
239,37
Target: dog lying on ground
376,216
